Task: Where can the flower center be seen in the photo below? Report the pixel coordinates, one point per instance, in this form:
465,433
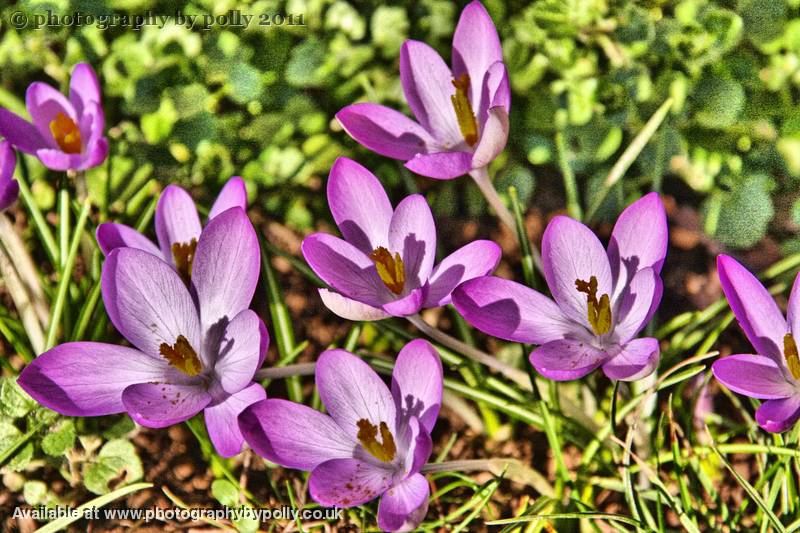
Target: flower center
183,254
464,114
66,133
791,355
599,312
390,269
368,437
182,356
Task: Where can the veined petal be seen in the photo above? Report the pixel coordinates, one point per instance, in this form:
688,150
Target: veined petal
793,307
639,301
347,482
637,359
158,405
496,91
412,232
777,416
55,159
404,506
494,136
294,435
441,165
176,220
511,311
567,359
756,376
44,103
9,188
233,194
222,419
87,378
478,258
417,383
111,235
239,352
407,305
359,205
83,87
350,309
384,130
21,133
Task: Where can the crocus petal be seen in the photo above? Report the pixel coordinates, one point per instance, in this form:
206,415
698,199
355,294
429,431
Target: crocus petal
87,378
9,188
83,87
441,165
570,252
756,311
350,309
294,435
222,419
345,268
359,205
44,103
352,391
158,405
412,232
347,482
384,130
493,137
639,239
226,265
511,311
566,359
418,445
233,194
176,219
756,376
496,91
472,260
21,133
476,46
147,301
404,506
637,359
428,86
793,307
417,383
777,416
111,235
409,304
639,302
239,352
55,159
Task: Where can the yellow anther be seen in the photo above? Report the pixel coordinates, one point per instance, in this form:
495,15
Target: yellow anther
599,312
66,133
390,269
183,255
368,437
790,353
182,356
464,114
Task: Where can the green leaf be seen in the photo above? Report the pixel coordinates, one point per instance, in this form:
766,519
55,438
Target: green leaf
34,492
225,492
14,402
745,212
60,439
116,457
718,102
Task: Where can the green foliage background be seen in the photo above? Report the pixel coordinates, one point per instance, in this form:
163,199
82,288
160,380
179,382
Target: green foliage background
198,106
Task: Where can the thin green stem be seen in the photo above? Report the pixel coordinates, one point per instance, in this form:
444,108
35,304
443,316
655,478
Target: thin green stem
481,177
42,228
570,185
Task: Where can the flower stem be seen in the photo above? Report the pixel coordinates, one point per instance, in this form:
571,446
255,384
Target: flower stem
516,375
570,186
278,372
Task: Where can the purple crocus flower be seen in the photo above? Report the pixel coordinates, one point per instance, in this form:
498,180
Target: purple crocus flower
178,226
9,188
65,134
373,442
603,298
773,374
462,114
385,264
196,347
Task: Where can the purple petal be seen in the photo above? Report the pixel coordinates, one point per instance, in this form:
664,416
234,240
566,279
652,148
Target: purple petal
404,506
412,232
417,383
350,309
222,419
158,405
777,416
570,252
359,205
511,311
476,46
147,301
226,265
441,165
21,133
472,260
83,87
9,188
294,435
493,137
176,219
638,304
428,86
239,352
352,391
347,482
384,130
496,91
87,378
638,358
755,376
55,159
793,307
418,445
345,268
756,311
44,103
409,304
233,194
567,359
639,239
111,235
